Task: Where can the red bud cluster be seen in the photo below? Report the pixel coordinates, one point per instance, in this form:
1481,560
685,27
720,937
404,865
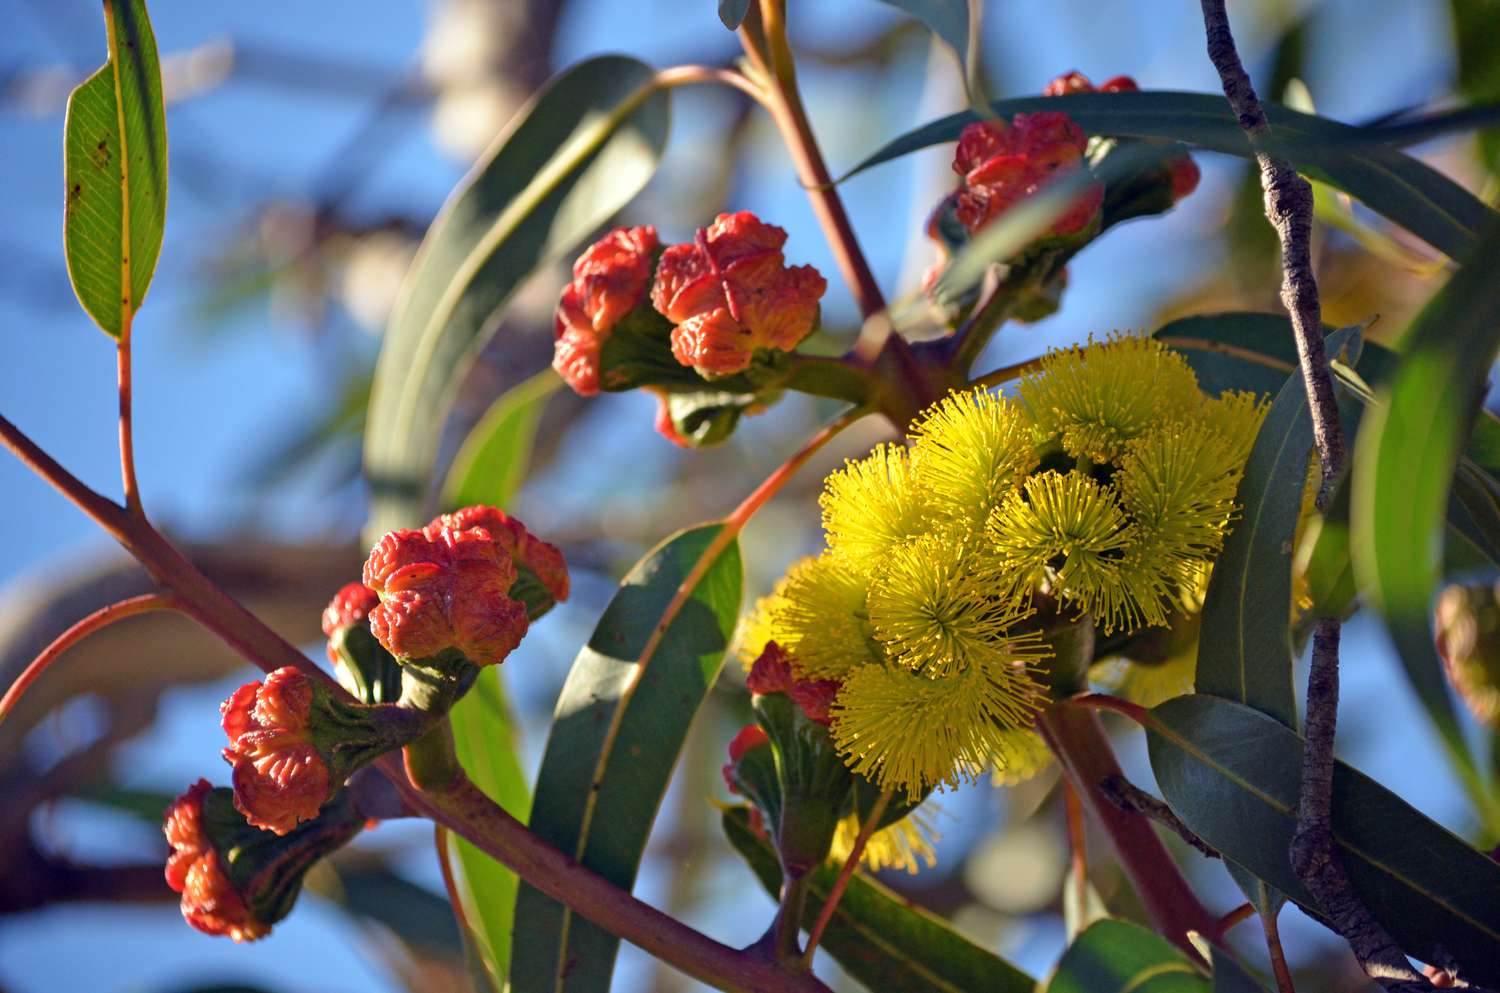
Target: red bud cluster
609,280
1183,169
280,778
1003,164
210,900
772,673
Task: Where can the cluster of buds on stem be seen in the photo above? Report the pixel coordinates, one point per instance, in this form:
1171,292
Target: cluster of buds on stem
703,325
407,642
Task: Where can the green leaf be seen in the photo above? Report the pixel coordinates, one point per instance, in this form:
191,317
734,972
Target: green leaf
1119,957
1265,900
947,19
1387,180
1230,976
492,462
1404,466
620,723
732,13
484,734
1476,23
115,167
574,157
1235,350
1232,775
1245,648
880,938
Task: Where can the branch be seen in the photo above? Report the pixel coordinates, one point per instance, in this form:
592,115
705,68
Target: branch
1289,209
846,873
1130,797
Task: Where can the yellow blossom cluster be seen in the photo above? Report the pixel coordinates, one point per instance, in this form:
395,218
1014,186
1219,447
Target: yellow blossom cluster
1106,485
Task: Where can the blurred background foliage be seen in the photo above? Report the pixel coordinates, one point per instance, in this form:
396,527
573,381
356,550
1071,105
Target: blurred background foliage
311,145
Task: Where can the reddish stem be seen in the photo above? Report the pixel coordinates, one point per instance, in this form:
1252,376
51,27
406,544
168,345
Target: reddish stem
101,618
1083,750
1077,844
127,434
1239,914
1278,957
846,873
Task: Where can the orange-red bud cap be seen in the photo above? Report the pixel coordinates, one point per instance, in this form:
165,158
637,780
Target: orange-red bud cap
442,590
730,293
1003,164
543,559
280,778
210,900
609,280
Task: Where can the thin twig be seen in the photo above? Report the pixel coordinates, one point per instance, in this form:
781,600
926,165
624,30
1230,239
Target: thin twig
127,432
764,36
1128,796
1243,912
1278,956
1077,845
1288,199
846,873
101,618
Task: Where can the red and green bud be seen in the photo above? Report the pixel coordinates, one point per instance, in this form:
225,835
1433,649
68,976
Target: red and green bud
729,294
1004,164
360,663
772,672
609,280
292,744
541,571
236,879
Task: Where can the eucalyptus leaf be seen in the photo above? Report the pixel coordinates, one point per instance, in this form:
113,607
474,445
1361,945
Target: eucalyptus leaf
577,154
1404,466
884,941
492,461
620,723
1395,185
948,20
115,168
1232,774
732,13
1119,957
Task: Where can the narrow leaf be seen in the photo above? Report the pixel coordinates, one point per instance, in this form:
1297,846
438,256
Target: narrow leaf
1403,471
1119,957
492,461
484,735
1245,648
115,168
947,19
881,939
1388,181
1235,350
569,161
620,723
732,13
1232,977
1232,774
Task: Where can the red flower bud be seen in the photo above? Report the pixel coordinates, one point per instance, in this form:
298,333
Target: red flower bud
730,293
349,606
210,900
1068,82
443,590
526,551
1004,164
280,779
1185,175
609,280
664,424
772,673
749,736
1119,84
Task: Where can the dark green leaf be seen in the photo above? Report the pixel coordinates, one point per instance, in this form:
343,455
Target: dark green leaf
413,913
492,462
575,156
1236,350
1232,977
947,19
1476,24
1262,897
1403,470
1474,509
881,939
115,166
620,723
1119,957
1245,648
1232,774
1388,181
733,12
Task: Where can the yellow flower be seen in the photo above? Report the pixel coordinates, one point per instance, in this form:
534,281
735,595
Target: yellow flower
871,505
818,614
933,610
1098,397
1019,755
911,732
972,448
902,845
1066,531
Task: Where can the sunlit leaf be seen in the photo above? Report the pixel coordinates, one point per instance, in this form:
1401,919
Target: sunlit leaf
115,168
